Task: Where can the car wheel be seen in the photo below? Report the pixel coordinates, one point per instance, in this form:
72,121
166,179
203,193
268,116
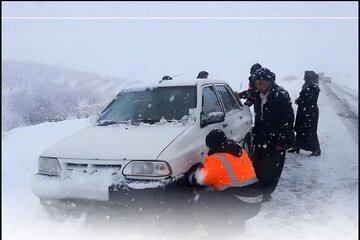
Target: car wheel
247,144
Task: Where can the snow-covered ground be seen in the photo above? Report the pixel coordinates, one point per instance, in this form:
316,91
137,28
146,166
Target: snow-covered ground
317,198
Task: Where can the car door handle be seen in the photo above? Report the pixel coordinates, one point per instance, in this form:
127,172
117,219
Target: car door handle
225,125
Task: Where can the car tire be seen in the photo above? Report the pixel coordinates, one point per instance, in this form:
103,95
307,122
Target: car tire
247,142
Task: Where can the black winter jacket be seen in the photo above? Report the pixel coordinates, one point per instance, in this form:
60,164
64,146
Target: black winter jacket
276,125
308,111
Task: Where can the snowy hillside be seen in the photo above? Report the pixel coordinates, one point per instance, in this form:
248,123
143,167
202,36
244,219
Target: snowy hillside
19,74
34,93
317,198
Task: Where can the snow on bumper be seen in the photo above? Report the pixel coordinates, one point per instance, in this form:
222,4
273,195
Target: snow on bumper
59,188
92,187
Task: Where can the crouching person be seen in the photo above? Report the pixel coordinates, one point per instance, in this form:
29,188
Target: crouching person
234,194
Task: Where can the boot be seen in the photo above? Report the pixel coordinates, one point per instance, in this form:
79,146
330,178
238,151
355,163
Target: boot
266,197
294,149
315,153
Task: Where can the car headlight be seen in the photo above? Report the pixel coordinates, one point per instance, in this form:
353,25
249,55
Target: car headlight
147,169
49,166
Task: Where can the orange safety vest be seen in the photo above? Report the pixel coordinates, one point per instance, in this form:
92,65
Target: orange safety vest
223,170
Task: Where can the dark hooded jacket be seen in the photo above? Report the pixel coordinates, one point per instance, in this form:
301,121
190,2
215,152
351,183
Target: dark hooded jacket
307,117
276,125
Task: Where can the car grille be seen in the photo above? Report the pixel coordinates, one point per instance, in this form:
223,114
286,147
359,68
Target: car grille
91,168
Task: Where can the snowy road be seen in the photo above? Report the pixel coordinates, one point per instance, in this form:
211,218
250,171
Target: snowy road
343,101
317,198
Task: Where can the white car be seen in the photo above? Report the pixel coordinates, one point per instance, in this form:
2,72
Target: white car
146,139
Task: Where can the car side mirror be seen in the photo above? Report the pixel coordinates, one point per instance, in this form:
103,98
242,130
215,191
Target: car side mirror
211,118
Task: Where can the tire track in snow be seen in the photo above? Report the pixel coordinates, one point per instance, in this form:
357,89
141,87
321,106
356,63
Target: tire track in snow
343,109
298,185
348,92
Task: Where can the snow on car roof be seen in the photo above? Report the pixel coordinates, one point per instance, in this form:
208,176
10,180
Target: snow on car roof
170,83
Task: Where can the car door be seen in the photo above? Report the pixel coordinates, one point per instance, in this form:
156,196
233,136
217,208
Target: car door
237,118
211,103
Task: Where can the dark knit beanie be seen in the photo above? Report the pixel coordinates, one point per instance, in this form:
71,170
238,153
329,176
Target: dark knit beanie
216,139
264,74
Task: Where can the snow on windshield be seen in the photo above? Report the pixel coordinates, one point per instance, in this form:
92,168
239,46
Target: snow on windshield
151,105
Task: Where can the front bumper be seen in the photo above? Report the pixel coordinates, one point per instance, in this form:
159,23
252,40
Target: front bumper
98,188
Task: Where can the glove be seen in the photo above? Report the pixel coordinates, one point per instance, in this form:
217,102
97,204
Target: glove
191,175
248,103
244,94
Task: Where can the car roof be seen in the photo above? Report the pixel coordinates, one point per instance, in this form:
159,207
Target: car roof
172,83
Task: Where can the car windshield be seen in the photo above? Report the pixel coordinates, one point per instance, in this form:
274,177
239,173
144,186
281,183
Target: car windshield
151,105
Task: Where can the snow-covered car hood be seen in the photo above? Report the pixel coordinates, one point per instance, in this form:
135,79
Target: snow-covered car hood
144,142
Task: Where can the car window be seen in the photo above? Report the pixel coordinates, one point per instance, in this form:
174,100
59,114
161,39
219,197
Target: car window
227,98
210,101
237,100
151,105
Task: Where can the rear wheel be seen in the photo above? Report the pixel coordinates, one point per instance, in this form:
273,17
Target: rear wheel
246,144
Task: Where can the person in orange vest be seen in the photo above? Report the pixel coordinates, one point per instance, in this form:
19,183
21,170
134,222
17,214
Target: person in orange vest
227,168
233,194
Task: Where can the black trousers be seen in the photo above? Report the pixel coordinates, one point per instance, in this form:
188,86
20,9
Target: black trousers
268,167
222,214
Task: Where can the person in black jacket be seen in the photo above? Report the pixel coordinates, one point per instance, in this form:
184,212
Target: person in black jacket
307,116
249,94
273,130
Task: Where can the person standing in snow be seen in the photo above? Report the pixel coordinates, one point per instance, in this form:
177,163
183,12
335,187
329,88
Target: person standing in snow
307,116
249,94
273,130
234,193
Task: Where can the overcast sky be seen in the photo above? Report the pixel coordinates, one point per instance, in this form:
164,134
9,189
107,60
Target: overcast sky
150,48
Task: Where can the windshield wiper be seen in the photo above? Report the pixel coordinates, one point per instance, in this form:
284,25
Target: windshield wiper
147,120
107,122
